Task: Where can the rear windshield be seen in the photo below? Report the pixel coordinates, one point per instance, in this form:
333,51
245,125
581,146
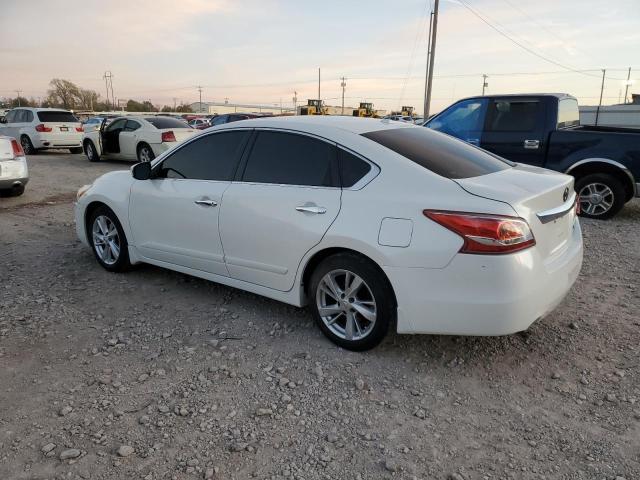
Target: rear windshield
57,117
438,152
166,122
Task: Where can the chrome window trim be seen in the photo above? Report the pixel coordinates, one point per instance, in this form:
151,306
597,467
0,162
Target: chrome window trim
557,212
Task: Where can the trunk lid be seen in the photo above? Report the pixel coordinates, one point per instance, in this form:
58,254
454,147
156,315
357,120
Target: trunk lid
545,199
182,133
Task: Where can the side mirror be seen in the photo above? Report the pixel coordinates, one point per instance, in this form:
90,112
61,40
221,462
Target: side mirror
141,171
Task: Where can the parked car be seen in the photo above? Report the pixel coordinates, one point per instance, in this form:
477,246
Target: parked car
199,123
544,130
399,118
371,223
135,137
95,122
43,128
14,173
234,117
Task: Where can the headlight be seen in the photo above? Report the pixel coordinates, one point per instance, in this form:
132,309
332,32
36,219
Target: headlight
82,190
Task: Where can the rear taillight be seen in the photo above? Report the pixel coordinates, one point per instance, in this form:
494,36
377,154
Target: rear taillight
168,137
485,234
79,129
17,148
42,128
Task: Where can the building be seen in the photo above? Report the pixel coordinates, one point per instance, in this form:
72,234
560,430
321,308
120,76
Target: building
219,108
623,115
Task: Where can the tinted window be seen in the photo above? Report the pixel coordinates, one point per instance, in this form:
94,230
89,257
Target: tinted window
166,122
117,124
568,114
219,120
19,116
55,116
213,157
131,126
285,158
352,168
512,116
28,116
444,155
463,120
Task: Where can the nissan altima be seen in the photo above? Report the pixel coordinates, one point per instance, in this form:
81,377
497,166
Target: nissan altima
373,224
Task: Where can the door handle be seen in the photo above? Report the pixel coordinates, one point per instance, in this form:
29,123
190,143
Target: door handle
311,209
207,203
532,144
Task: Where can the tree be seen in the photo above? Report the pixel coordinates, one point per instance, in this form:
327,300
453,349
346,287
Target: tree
184,109
87,99
145,106
166,108
63,93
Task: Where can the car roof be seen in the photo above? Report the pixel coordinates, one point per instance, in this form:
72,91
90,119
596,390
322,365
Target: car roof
314,123
43,109
517,95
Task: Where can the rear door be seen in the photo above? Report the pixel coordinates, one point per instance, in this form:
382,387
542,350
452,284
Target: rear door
514,128
128,139
285,200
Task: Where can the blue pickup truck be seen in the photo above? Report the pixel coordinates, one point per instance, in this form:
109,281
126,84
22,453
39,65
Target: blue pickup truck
544,130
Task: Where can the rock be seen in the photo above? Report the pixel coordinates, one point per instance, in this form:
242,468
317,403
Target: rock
143,377
555,375
66,410
125,450
318,372
261,412
209,473
391,465
143,420
332,438
48,447
455,476
283,381
420,413
163,409
70,453
573,326
611,397
359,383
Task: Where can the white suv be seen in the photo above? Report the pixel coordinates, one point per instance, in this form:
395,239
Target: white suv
43,128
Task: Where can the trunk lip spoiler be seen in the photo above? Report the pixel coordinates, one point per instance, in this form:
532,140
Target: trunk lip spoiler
557,212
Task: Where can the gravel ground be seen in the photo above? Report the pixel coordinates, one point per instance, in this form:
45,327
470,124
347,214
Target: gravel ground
156,375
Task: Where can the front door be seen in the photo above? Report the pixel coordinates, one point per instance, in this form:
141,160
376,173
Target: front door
110,137
463,120
285,201
514,129
174,215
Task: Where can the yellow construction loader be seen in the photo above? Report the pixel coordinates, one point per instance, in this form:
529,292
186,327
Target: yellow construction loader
314,107
365,110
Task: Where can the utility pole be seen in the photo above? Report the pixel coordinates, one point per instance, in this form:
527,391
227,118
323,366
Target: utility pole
604,70
174,103
109,86
484,83
18,92
426,73
343,84
318,83
200,104
295,102
626,89
432,57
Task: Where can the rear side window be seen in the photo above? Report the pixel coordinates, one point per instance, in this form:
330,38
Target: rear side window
28,116
290,159
512,116
55,116
352,168
568,113
166,122
439,153
213,157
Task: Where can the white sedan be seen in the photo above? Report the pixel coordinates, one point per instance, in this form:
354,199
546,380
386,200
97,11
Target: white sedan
373,224
134,137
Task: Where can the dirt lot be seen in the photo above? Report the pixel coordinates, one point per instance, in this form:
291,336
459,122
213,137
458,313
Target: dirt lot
156,375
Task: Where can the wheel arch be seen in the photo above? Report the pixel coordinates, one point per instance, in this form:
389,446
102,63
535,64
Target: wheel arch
317,257
607,166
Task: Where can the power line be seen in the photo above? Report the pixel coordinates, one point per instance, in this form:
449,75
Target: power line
524,47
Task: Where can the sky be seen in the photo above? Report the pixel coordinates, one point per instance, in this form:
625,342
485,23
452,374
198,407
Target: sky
263,51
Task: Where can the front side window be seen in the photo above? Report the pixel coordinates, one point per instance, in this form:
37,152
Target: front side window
117,125
291,159
461,120
219,120
11,116
512,116
131,126
19,118
212,157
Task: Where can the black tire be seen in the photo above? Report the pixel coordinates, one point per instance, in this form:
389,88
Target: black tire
12,192
145,153
76,150
378,287
27,146
91,152
614,194
121,264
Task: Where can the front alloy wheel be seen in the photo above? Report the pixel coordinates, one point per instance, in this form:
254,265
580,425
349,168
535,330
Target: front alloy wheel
108,240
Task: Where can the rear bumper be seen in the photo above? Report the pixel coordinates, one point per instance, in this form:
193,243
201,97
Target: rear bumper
44,140
8,184
485,295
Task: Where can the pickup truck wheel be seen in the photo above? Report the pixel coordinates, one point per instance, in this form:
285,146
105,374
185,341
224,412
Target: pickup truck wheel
601,195
91,152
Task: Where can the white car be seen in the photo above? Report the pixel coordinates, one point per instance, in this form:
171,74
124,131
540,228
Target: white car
14,173
372,223
43,128
135,137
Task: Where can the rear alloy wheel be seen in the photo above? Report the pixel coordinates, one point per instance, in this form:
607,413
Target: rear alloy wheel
27,146
145,154
91,152
600,195
108,241
351,301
